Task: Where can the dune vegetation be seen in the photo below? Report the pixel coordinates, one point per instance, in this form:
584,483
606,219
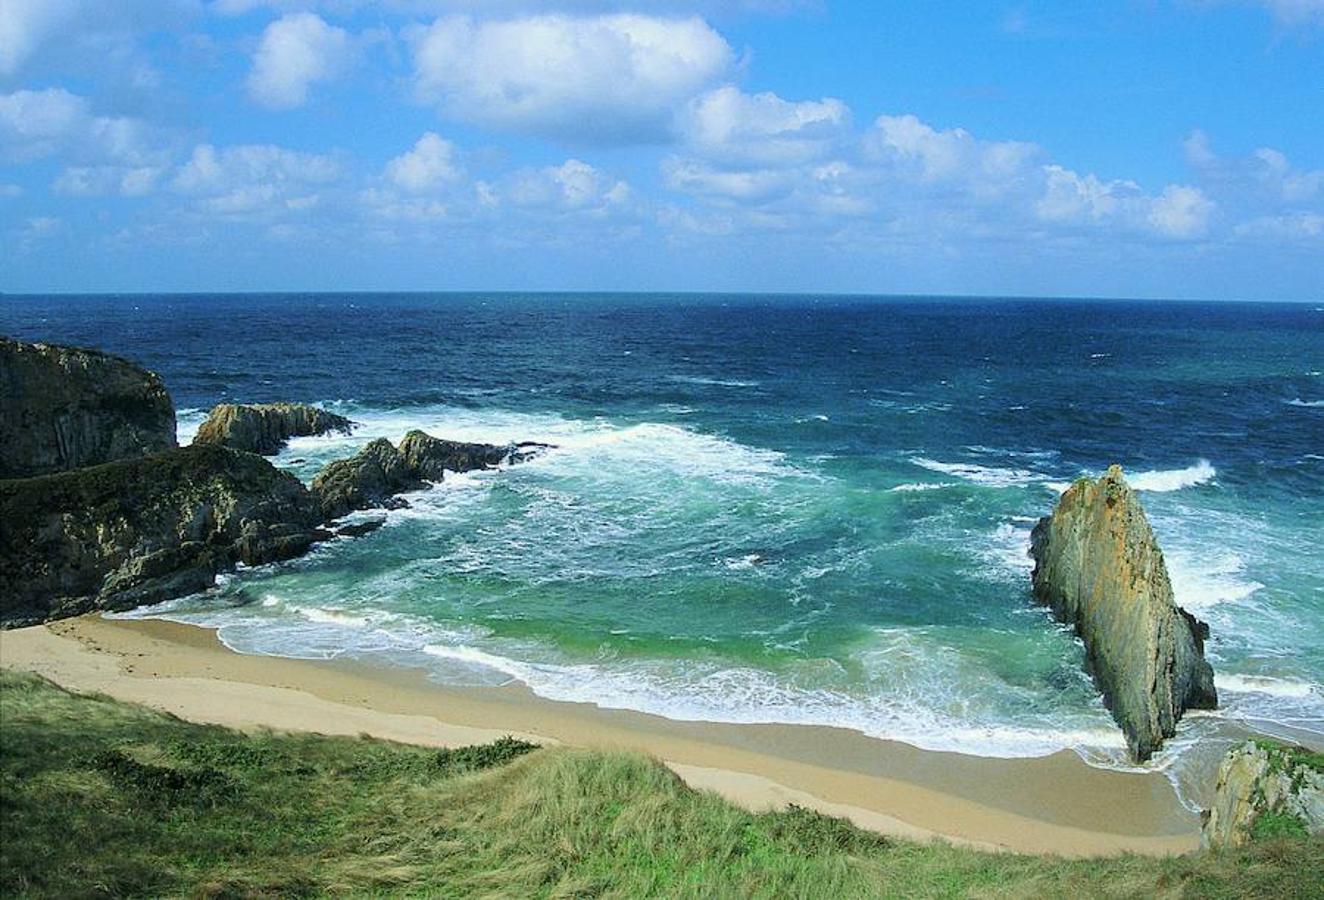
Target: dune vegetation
100,797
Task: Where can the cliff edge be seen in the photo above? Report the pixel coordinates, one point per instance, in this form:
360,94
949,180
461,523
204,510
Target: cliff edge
1099,568
66,407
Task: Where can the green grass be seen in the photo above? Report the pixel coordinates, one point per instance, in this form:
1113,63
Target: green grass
100,798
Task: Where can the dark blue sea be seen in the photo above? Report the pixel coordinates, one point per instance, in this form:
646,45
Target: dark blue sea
789,509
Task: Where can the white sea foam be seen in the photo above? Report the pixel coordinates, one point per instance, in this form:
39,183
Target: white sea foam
990,476
1264,684
1306,404
916,486
717,382
1202,578
1163,480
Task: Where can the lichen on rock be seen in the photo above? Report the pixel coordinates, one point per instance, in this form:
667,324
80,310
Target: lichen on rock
1265,789
1099,568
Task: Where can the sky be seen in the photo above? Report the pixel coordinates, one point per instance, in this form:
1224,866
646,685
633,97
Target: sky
1142,148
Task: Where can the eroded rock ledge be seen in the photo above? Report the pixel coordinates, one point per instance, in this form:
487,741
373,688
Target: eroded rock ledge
264,428
1099,568
66,407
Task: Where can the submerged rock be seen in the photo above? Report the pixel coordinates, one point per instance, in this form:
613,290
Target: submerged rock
379,471
264,428
1265,789
1099,568
65,407
144,530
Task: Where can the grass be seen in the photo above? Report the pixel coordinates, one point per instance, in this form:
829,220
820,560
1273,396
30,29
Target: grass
104,798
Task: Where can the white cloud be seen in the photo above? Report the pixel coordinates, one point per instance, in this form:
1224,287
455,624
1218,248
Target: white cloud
728,124
757,185
1297,12
37,124
429,165
1304,226
254,179
572,186
919,149
613,78
295,52
1181,211
1070,197
26,24
94,181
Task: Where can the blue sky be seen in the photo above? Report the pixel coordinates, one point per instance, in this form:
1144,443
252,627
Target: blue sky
1149,149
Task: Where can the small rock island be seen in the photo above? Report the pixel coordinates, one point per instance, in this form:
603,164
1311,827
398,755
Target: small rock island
1098,566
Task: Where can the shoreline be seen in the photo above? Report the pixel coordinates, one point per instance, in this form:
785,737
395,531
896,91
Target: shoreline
1053,804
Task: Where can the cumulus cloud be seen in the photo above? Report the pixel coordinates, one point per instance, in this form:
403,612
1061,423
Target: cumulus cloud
611,78
729,124
295,52
911,146
254,179
430,164
110,154
572,186
82,34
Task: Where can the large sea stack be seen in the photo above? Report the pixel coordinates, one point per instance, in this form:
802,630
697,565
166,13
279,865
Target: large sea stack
265,427
1099,568
66,407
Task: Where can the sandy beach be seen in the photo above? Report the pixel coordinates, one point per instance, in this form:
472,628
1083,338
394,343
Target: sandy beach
1055,804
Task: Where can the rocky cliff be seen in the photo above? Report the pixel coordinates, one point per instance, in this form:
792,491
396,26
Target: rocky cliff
1265,789
264,428
1099,568
65,407
378,472
143,530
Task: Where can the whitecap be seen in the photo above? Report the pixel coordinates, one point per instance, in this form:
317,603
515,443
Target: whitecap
1163,480
921,486
990,476
1305,404
1264,684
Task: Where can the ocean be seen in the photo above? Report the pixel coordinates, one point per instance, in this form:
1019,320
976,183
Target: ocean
787,509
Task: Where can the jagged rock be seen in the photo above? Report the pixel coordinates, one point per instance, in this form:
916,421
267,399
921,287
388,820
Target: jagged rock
143,530
1265,789
369,479
379,471
429,458
264,428
65,407
1099,568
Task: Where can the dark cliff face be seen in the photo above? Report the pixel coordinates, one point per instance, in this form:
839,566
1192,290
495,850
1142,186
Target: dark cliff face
143,530
1099,568
65,407
265,427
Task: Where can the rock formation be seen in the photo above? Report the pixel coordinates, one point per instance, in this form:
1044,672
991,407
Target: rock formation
65,407
1099,568
143,530
379,471
1265,789
264,428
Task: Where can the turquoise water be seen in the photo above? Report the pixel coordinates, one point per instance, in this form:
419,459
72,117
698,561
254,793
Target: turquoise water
775,509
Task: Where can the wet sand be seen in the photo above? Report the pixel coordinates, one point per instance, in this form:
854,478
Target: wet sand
1053,804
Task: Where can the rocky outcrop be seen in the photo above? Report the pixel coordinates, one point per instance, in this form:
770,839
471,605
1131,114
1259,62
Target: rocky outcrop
1099,568
1265,789
378,472
65,407
143,530
264,428
369,479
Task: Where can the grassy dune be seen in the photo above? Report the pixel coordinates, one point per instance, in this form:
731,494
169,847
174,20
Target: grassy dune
99,797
